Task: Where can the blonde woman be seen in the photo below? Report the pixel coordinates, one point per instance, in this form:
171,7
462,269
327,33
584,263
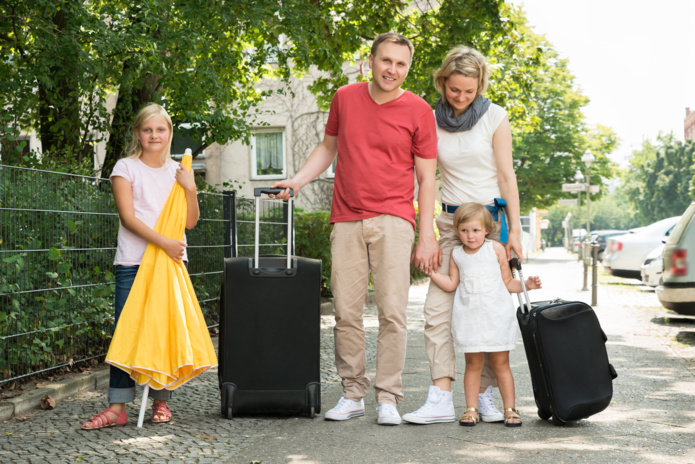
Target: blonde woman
474,153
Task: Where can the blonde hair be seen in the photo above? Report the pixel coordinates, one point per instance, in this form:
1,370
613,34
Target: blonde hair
393,37
474,211
466,61
149,111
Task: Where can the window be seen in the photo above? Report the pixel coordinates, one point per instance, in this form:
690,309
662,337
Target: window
268,155
525,220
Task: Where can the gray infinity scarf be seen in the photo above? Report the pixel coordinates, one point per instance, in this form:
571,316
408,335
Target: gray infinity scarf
450,123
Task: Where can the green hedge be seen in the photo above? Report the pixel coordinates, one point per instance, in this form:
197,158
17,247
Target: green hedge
312,232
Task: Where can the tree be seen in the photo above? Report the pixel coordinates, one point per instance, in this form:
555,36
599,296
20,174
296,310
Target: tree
548,151
201,59
68,61
659,182
47,73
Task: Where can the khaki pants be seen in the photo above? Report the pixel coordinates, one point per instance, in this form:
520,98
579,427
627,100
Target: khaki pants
439,342
381,245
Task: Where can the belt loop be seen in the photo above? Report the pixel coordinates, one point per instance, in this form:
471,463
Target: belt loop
451,209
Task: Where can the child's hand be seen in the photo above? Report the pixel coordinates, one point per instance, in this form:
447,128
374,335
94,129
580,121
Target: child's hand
533,283
185,178
174,249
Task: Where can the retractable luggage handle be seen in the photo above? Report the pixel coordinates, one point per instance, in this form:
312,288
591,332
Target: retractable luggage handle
257,192
515,265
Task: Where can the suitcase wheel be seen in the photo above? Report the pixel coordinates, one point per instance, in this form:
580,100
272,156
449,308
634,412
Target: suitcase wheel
558,421
228,390
312,412
543,415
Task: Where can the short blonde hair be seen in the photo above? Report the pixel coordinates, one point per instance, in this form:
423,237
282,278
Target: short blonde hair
146,112
472,211
466,61
393,37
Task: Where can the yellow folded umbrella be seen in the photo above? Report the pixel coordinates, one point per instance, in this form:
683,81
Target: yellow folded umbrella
161,338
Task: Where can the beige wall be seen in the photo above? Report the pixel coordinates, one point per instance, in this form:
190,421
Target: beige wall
303,124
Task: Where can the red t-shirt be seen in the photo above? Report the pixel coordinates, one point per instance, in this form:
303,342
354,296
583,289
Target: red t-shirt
377,145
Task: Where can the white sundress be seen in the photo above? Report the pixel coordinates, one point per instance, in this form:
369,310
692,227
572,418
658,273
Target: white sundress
483,318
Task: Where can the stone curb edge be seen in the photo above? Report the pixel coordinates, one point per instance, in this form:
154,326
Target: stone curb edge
13,407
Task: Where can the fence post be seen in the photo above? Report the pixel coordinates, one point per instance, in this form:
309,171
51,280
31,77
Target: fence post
229,212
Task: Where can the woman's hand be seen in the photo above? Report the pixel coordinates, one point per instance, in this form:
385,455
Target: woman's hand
514,244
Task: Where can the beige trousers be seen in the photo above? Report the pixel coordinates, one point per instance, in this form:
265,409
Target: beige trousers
381,245
439,342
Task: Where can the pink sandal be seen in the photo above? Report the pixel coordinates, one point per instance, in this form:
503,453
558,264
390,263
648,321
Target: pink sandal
102,420
160,409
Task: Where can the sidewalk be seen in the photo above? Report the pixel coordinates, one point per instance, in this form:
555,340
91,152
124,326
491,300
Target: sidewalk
652,417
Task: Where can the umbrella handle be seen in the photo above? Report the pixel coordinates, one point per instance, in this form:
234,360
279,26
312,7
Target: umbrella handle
143,405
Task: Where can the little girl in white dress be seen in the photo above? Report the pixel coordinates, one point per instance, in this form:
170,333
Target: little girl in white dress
483,318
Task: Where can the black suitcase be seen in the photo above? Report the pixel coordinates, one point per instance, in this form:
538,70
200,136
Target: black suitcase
270,332
566,352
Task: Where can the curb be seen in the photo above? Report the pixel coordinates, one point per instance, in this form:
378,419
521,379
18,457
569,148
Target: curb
31,400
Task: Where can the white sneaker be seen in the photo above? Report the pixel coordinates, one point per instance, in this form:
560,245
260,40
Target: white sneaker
486,407
439,407
388,414
345,409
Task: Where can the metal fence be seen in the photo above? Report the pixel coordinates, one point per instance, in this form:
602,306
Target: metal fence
57,242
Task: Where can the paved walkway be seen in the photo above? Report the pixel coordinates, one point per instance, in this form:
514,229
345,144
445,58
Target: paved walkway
651,420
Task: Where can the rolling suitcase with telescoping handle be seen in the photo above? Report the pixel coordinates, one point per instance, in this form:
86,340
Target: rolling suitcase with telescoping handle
270,316
566,352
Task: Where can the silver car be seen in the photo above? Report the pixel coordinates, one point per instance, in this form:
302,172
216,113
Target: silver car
677,291
625,253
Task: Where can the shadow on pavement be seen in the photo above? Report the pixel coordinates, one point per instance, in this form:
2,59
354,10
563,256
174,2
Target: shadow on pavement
675,321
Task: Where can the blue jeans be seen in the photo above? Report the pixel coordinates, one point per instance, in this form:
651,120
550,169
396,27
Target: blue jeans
121,386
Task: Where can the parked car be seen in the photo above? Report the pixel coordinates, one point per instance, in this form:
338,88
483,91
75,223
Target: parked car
677,291
601,237
626,253
653,267
577,238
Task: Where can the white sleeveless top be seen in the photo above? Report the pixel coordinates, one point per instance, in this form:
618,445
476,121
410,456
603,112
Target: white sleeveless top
467,162
483,319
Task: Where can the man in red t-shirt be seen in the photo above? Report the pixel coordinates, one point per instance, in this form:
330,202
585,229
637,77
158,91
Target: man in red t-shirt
384,135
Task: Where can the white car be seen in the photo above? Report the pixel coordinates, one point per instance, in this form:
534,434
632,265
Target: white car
677,289
626,253
653,267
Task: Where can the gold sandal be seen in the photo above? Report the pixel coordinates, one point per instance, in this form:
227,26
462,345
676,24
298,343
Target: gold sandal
467,420
517,417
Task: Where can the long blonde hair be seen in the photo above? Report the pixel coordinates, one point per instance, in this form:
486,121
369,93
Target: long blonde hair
148,111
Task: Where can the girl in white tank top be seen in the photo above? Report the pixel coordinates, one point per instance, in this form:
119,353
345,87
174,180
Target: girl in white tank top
483,319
